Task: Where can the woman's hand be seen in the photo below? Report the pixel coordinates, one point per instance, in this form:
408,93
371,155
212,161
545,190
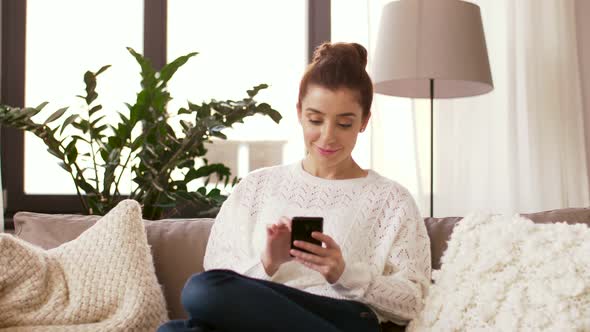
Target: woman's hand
328,261
278,243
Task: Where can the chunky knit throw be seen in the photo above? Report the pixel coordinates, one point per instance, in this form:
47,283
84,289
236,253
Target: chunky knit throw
102,281
509,274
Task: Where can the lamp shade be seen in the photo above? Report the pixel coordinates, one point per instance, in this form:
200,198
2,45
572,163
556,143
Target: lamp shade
420,40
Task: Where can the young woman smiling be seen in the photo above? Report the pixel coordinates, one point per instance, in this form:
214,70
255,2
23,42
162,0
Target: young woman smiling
374,262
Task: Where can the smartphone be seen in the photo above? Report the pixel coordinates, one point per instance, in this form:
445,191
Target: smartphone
302,227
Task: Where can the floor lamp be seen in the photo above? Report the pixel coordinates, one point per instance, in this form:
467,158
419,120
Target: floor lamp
431,49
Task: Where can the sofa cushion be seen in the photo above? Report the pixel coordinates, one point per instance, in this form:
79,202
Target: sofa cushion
440,229
177,245
569,215
503,273
104,280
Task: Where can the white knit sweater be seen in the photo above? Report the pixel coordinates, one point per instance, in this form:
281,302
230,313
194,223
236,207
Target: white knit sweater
374,220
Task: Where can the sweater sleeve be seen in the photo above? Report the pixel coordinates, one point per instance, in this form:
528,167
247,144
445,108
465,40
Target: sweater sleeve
230,242
397,292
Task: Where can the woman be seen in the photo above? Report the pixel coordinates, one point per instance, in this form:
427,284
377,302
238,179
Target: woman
374,262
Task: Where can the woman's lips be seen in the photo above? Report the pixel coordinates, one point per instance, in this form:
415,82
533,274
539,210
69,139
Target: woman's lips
326,152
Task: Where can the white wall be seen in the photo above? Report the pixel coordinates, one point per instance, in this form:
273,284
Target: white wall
583,35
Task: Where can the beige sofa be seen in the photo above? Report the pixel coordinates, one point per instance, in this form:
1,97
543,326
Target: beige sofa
178,245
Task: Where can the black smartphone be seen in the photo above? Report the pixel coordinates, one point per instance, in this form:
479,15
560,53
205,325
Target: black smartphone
302,227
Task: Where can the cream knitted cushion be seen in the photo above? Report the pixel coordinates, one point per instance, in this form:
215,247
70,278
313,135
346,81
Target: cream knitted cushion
509,274
102,281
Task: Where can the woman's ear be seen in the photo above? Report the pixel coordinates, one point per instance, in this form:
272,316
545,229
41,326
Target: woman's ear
299,111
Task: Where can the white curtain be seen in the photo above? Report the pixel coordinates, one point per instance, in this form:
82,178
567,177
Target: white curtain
519,148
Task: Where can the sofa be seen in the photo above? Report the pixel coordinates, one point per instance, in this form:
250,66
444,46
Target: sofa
178,245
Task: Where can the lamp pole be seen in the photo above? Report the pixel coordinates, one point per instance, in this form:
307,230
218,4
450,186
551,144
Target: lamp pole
432,148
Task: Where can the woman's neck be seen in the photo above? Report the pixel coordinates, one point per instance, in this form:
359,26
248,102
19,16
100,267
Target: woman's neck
347,169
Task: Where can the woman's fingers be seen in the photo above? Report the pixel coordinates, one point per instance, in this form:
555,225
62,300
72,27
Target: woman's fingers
286,222
310,258
326,260
313,248
310,265
330,243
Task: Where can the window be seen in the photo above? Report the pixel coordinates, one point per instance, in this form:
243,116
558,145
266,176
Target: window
267,45
60,48
57,53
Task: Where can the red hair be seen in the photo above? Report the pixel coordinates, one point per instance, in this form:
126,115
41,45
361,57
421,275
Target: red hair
339,65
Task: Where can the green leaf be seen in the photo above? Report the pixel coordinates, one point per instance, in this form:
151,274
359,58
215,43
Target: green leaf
206,171
67,168
147,71
93,123
168,70
256,89
101,70
137,143
82,184
218,134
90,81
29,112
72,155
80,138
114,141
186,126
274,115
41,106
124,118
100,129
94,109
68,122
214,193
184,111
56,115
104,154
55,153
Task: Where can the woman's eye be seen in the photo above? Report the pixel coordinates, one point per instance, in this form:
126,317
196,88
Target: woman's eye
315,122
345,125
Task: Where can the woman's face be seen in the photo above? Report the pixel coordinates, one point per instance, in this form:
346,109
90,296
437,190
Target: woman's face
331,122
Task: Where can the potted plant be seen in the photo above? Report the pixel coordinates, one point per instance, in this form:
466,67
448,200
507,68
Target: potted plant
142,141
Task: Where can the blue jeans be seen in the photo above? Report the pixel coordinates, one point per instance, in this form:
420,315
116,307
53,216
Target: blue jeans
223,300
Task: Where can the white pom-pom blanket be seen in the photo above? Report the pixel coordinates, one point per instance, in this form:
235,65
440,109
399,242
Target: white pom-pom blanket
102,281
509,274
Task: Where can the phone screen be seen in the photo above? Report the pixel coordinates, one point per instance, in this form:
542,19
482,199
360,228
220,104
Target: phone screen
302,227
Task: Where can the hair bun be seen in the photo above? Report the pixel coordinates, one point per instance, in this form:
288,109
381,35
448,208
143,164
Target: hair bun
350,54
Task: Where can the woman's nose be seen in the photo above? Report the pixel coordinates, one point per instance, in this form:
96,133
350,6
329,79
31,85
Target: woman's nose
328,132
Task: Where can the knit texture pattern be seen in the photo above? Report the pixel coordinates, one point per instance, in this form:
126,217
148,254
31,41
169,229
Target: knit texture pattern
374,220
503,273
102,281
